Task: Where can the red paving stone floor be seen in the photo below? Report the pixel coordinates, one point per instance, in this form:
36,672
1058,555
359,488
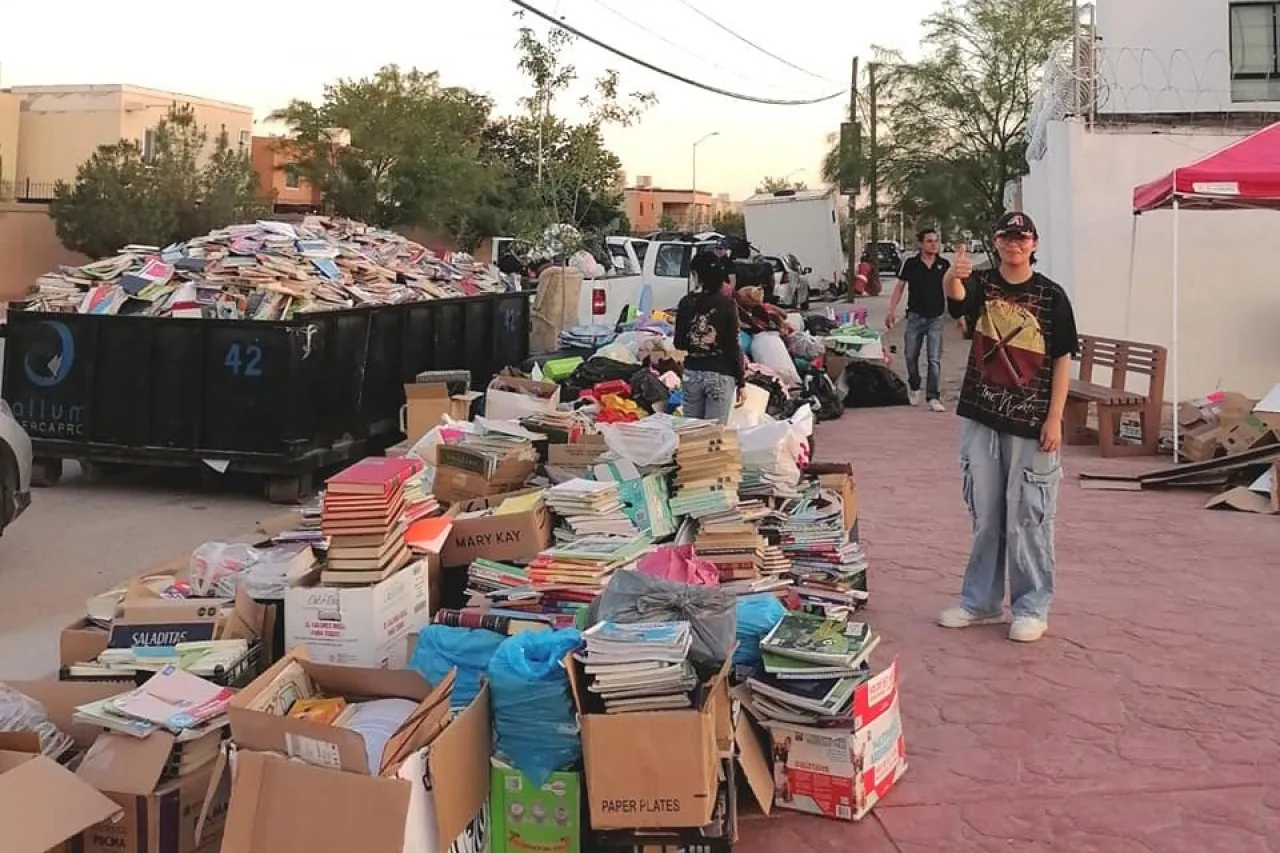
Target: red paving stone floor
1144,722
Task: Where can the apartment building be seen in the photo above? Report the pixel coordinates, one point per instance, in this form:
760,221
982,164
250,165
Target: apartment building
59,127
647,206
271,156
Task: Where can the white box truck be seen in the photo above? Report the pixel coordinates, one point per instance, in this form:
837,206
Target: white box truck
803,223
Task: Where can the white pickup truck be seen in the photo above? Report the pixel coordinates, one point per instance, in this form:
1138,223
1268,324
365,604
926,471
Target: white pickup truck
664,270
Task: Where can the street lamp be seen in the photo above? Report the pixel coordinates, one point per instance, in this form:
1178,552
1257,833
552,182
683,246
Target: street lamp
694,191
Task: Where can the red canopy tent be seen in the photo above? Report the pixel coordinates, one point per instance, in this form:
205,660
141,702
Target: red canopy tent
1243,175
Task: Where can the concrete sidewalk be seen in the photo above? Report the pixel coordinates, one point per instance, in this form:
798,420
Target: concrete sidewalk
1144,721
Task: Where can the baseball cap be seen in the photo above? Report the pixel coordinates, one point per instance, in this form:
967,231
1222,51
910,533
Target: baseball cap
1015,222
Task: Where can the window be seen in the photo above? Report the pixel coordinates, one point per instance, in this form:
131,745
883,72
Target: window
148,144
244,139
673,260
1255,60
291,179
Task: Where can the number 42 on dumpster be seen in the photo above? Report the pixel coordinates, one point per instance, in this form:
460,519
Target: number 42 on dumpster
244,360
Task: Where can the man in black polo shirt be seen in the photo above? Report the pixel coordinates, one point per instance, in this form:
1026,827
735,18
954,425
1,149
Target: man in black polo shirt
921,278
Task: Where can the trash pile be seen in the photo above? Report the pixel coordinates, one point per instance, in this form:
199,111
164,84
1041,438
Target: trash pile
264,271
506,606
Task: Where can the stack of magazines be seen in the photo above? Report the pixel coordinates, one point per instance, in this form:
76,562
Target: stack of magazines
590,507
639,667
811,667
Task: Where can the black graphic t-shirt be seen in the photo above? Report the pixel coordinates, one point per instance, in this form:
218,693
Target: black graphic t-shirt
1019,331
707,329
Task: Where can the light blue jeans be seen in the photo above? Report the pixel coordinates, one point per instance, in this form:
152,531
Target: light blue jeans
1011,490
924,330
709,396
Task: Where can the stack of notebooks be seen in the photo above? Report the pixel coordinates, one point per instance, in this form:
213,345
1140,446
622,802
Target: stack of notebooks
505,584
590,507
207,659
708,471
830,570
811,667
734,548
578,570
173,700
639,667
363,516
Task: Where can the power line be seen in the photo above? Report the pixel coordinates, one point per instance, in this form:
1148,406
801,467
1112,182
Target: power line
660,37
749,42
651,67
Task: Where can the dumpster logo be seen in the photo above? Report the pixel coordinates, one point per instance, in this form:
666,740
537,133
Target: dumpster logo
51,357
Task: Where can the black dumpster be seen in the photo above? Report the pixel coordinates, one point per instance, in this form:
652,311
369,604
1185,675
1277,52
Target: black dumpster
278,398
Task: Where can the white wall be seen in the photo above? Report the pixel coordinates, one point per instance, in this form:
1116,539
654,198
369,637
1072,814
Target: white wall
1167,56
1081,195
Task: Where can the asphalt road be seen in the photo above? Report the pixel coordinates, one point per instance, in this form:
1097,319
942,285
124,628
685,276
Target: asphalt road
79,539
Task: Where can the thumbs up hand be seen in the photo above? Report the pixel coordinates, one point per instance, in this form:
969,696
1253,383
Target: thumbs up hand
963,267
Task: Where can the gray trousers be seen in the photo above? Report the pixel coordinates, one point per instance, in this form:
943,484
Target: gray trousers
1011,491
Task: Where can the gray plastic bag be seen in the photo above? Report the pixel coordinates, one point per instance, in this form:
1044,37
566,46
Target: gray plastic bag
634,597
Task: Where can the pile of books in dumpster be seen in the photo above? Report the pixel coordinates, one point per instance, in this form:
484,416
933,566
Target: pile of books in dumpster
263,271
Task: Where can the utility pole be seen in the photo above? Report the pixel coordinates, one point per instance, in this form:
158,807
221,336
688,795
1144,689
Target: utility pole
873,182
849,148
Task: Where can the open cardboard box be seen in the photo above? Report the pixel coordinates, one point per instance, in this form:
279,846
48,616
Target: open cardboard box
394,808
510,536
43,806
838,477
148,816
672,782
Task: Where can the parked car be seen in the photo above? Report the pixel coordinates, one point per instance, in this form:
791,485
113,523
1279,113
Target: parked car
15,467
887,257
790,282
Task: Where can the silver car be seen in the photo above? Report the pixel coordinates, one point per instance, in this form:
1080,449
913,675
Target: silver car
790,281
15,468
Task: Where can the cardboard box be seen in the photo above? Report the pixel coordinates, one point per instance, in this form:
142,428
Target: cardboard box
838,477
1250,433
841,773
453,485
670,783
512,398
43,805
531,819
426,404
511,536
1202,443
401,811
151,817
577,456
361,625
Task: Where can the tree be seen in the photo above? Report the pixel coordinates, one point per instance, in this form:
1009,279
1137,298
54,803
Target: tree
558,171
957,119
121,196
771,185
415,152
731,223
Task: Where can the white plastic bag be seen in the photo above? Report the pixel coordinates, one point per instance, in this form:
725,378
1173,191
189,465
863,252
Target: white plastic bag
649,442
21,713
215,567
767,348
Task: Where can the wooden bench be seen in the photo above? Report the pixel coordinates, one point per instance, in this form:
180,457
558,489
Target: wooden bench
1124,359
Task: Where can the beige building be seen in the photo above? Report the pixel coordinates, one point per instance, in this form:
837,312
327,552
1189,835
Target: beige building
9,111
649,207
59,127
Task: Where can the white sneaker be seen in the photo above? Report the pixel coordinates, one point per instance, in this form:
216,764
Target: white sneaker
1027,629
915,398
935,405
958,617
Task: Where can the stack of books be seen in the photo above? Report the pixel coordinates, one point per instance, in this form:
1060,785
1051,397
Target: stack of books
639,667
207,659
488,454
708,471
590,507
172,700
829,569
583,567
734,548
811,667
505,584
363,516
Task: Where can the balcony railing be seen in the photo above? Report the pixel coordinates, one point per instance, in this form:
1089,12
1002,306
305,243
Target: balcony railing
27,191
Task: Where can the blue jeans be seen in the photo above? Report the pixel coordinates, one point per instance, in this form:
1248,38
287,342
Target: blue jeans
709,396
1011,491
920,329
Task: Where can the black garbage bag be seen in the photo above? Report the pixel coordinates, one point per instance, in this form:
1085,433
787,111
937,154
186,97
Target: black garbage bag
592,372
872,385
647,389
818,325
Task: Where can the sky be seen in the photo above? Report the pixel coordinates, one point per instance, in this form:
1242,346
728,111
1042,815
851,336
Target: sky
265,55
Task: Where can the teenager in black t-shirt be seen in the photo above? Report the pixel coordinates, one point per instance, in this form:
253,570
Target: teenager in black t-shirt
707,329
1012,402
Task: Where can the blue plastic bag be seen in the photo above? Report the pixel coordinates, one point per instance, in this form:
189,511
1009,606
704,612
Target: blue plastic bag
442,648
534,723
757,616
